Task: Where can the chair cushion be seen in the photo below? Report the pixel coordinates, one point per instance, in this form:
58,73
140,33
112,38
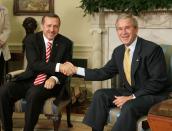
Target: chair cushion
49,107
115,112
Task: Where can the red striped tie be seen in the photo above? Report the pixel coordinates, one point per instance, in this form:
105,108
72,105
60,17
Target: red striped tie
42,77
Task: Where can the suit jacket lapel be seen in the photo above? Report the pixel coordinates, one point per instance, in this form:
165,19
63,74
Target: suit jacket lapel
41,46
136,60
54,50
121,58
57,47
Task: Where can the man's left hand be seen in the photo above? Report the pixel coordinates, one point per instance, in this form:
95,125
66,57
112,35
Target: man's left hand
120,100
50,83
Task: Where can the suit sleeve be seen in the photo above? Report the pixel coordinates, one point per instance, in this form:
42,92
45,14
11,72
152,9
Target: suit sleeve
67,57
104,73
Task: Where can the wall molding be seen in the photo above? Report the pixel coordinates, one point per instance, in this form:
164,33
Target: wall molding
82,48
15,47
82,51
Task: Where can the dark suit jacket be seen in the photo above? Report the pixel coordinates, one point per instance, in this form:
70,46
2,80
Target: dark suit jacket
35,54
148,69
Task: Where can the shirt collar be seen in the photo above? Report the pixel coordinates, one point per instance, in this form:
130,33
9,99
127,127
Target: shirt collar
46,40
133,45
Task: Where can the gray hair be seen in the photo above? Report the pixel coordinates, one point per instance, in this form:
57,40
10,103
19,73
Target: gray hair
127,16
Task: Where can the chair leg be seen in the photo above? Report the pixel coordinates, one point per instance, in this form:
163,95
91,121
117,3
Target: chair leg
56,123
68,113
145,125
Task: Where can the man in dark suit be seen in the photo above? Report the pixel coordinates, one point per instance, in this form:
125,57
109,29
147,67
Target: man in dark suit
45,51
143,75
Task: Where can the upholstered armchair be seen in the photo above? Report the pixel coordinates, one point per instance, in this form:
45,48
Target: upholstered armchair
51,111
142,122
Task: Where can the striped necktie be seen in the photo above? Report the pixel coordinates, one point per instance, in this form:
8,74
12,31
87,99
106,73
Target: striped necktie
127,65
42,77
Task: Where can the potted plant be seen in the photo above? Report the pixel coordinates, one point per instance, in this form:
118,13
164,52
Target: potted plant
135,7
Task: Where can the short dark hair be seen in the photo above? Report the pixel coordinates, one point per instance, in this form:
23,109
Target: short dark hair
51,15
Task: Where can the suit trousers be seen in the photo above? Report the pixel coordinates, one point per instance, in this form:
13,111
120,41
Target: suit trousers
35,97
131,111
2,69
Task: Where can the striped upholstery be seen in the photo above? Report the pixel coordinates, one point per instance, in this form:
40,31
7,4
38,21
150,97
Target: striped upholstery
115,112
20,106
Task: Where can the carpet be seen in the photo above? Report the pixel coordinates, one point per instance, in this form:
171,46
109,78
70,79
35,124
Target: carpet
47,125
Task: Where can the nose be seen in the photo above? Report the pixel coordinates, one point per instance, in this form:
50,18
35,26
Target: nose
124,31
51,28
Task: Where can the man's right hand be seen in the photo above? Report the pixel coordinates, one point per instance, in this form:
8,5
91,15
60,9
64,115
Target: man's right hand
68,68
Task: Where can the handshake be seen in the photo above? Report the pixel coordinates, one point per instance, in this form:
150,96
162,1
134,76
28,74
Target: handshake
68,68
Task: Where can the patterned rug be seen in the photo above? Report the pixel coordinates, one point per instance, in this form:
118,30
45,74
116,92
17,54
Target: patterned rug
47,125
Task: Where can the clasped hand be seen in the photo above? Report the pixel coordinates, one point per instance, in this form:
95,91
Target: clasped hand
68,68
120,100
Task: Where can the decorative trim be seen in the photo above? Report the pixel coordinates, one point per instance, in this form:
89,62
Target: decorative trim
15,47
79,51
82,48
97,30
83,51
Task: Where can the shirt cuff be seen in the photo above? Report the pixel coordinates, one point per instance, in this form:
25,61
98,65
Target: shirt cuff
134,97
56,79
80,71
57,67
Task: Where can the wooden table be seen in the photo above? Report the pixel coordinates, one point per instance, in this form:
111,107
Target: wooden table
160,116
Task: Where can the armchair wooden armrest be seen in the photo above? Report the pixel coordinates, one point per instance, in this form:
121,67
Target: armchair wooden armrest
11,75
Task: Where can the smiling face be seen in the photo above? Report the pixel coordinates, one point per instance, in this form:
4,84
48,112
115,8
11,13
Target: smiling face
126,30
50,27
